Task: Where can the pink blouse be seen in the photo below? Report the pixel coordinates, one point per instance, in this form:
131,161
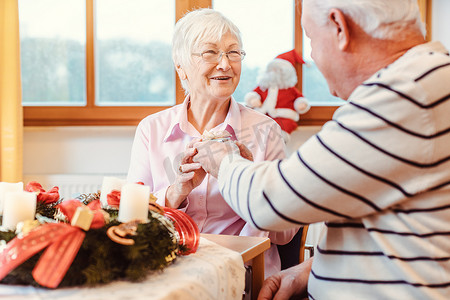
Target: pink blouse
157,149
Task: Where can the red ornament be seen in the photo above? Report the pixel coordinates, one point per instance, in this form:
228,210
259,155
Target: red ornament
186,228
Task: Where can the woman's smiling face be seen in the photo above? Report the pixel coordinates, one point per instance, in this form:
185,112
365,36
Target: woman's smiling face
214,81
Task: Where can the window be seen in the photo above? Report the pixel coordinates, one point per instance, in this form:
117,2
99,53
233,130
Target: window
133,61
53,57
97,62
108,62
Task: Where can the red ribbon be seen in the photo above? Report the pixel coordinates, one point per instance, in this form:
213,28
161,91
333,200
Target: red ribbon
69,207
48,197
63,242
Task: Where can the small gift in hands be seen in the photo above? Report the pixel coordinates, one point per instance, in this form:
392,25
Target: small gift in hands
219,136
210,155
223,136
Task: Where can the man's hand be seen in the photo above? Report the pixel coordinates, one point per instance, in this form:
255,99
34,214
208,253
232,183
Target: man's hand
292,282
210,154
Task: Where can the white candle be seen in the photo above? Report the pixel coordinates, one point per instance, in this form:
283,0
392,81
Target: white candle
109,184
6,187
134,202
19,207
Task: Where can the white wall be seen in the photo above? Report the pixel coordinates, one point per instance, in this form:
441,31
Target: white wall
77,150
94,150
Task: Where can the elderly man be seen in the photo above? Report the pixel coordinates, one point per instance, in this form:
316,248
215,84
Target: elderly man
378,173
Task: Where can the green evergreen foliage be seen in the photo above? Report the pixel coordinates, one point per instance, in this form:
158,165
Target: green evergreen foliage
47,210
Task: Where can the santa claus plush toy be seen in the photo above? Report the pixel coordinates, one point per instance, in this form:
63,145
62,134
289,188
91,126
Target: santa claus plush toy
276,94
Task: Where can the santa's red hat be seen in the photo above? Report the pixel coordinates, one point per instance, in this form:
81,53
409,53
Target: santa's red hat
291,56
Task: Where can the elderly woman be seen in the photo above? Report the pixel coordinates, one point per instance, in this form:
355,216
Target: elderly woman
207,54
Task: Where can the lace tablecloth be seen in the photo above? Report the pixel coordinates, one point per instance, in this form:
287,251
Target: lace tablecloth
213,272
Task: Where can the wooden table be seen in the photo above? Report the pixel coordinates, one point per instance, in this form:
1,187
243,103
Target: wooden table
251,249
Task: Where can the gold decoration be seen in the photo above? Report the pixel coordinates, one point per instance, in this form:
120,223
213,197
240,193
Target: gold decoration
82,218
152,198
119,233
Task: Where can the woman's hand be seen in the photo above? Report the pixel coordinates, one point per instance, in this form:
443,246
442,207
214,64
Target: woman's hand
189,176
292,282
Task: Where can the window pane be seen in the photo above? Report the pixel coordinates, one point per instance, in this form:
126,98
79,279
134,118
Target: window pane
133,52
261,36
52,42
315,87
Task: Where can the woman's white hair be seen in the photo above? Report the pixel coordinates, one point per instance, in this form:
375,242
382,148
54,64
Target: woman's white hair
382,19
195,27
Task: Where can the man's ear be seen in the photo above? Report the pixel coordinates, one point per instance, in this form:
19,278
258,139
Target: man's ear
339,22
181,72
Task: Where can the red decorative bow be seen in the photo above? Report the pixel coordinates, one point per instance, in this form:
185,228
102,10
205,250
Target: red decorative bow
62,241
49,197
69,207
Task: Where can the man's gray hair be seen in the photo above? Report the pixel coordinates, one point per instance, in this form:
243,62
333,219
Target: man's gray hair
199,26
382,19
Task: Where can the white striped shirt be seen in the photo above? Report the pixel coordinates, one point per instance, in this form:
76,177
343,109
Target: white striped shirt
378,174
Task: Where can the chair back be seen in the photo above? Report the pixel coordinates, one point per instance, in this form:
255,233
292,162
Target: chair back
293,253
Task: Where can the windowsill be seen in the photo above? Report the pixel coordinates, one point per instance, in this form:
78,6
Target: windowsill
119,116
86,116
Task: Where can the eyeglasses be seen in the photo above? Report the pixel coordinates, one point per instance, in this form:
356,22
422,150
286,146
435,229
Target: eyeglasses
211,56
